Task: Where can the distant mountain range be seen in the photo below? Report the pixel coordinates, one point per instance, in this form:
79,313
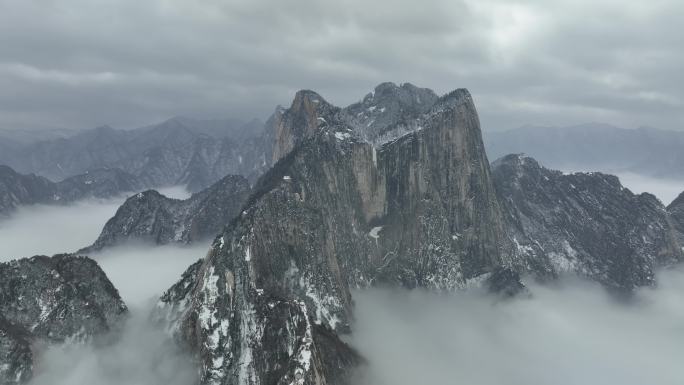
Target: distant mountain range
20,190
595,147
195,153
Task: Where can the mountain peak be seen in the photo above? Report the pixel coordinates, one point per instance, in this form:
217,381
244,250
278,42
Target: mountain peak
308,112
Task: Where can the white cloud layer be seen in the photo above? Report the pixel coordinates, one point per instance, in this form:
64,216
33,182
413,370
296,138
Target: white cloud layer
573,334
144,355
49,230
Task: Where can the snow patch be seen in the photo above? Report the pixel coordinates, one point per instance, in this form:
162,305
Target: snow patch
564,262
342,135
375,232
522,249
304,351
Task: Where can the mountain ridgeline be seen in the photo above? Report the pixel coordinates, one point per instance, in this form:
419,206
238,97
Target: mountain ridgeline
152,217
179,151
585,223
394,191
593,147
19,190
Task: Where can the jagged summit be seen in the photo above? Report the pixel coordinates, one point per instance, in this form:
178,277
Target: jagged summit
389,111
308,112
151,216
384,115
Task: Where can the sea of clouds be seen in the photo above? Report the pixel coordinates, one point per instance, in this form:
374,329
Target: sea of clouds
143,354
571,333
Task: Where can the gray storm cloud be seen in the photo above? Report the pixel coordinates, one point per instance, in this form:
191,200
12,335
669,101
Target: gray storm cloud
79,64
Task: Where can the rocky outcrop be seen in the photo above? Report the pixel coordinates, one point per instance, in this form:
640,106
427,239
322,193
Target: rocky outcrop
585,223
52,300
18,190
335,212
16,357
151,216
389,111
676,211
196,153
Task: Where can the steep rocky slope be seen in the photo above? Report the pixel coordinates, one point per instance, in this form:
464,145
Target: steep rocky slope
335,212
62,299
17,189
584,222
150,216
676,211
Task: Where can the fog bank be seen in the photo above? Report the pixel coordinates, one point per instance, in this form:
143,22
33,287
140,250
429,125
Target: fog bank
573,334
144,355
48,230
143,272
665,189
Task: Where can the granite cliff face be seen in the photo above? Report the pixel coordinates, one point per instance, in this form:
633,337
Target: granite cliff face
586,223
18,190
150,216
52,300
335,212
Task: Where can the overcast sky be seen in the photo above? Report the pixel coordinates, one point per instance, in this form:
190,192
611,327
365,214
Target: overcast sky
83,63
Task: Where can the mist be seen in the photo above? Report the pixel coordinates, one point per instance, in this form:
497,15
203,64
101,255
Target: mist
664,189
48,230
570,334
143,353
176,192
51,229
